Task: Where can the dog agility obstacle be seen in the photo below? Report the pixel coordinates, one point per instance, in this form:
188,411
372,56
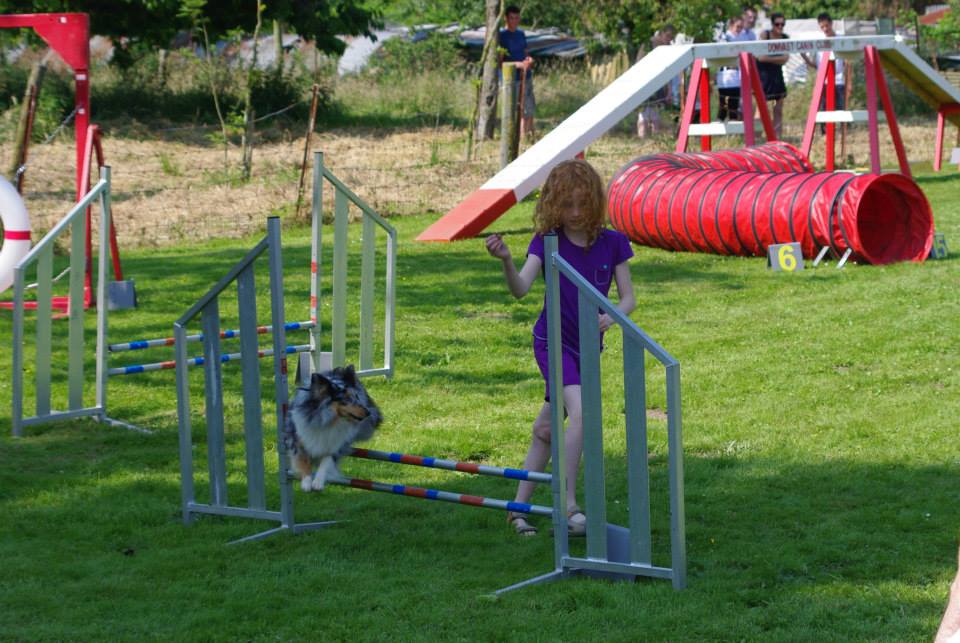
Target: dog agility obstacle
611,551
42,257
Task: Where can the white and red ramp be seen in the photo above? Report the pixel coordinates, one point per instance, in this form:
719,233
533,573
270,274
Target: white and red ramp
636,85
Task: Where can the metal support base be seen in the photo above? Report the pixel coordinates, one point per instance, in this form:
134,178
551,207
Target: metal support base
297,529
123,425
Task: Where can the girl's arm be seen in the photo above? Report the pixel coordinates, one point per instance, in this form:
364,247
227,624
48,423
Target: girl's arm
518,282
628,302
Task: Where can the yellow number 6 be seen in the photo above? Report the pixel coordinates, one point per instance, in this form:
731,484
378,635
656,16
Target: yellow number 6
787,259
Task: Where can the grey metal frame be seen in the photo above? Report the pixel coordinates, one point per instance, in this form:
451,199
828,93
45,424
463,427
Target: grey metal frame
343,197
42,255
207,308
607,553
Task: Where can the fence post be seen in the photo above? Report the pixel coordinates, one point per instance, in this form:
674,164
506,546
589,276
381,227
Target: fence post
509,137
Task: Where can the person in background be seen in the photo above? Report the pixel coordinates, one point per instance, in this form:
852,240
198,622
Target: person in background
825,22
749,24
770,69
728,78
649,121
513,41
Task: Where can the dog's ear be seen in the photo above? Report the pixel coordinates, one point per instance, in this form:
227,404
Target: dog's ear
349,375
320,386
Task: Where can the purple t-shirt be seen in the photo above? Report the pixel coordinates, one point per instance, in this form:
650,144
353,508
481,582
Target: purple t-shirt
596,264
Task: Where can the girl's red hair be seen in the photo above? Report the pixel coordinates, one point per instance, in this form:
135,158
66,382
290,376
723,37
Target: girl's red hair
570,181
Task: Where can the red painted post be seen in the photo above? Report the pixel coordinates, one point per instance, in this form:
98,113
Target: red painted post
811,125
870,74
891,115
746,98
761,99
689,105
942,113
705,140
831,65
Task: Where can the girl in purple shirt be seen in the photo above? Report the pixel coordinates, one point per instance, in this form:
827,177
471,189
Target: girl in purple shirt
572,203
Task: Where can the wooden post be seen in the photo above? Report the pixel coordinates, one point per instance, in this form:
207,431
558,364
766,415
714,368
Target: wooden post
28,110
508,130
306,147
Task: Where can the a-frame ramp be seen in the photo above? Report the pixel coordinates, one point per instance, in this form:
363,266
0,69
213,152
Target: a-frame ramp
565,141
636,85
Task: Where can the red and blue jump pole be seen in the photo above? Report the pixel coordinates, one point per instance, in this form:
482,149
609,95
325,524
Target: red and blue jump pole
451,465
445,496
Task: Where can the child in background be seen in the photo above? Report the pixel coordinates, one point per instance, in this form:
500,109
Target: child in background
572,204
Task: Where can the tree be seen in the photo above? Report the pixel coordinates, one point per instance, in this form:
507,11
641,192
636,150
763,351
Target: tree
154,23
487,94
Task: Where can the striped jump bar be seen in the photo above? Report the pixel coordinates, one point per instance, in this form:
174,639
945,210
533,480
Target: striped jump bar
226,334
451,465
445,496
196,361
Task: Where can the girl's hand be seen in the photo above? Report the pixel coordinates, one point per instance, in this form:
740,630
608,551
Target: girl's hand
497,248
606,321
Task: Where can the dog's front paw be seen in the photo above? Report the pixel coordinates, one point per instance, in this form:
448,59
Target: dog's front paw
305,483
319,481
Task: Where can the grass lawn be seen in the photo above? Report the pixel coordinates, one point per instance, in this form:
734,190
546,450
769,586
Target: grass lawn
822,465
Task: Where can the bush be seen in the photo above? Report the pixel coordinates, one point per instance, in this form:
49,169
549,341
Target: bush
435,53
184,95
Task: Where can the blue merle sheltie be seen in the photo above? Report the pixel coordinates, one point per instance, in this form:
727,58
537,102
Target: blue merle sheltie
325,419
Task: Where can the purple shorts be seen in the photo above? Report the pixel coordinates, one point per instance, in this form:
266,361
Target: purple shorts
571,365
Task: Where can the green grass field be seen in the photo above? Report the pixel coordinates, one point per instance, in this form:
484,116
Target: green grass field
822,466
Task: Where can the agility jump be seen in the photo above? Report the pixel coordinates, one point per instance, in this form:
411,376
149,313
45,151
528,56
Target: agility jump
611,551
105,351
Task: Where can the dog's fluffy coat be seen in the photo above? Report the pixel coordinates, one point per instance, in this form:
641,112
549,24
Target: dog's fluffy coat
324,420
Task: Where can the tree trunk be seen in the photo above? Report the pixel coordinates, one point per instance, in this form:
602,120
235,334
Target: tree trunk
162,67
488,85
25,125
278,47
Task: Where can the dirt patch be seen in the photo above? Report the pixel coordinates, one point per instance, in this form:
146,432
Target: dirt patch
174,185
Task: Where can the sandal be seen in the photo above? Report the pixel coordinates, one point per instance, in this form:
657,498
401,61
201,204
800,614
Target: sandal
520,524
576,522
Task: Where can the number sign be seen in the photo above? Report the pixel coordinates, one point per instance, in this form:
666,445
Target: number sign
785,257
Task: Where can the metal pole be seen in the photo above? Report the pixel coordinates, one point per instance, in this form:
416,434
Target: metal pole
340,241
281,386
316,254
554,351
17,384
102,303
678,539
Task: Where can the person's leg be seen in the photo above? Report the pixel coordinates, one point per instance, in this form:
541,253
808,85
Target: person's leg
538,454
573,440
950,625
778,117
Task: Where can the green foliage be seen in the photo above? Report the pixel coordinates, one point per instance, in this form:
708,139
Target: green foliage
812,8
944,37
155,22
418,12
53,105
437,53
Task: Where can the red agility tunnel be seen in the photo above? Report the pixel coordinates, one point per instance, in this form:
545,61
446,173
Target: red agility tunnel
739,202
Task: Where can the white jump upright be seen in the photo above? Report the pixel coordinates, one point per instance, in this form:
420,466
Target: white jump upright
207,310
612,551
42,256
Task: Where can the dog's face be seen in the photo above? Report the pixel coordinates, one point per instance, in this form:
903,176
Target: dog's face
344,394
